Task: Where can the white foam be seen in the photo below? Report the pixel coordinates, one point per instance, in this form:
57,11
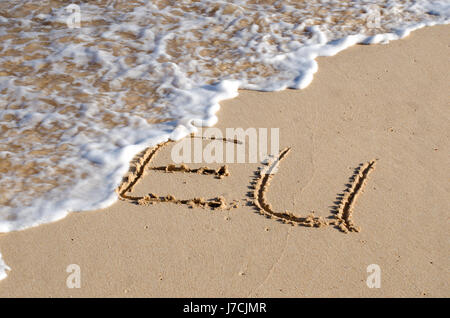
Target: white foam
3,268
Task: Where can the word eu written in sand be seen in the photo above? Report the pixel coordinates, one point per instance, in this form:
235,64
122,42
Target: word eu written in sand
342,213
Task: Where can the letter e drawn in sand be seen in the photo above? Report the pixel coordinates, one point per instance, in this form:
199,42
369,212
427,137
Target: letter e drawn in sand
139,167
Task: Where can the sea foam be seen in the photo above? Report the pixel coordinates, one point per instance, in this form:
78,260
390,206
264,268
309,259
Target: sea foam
3,268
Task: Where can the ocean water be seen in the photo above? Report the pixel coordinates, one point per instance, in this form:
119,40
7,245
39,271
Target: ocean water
80,97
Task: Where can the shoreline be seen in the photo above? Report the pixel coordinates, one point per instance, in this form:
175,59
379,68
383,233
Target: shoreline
324,153
226,89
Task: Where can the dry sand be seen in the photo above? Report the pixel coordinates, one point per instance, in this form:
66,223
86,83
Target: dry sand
385,102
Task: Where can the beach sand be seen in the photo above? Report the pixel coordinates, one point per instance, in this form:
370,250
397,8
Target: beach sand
384,102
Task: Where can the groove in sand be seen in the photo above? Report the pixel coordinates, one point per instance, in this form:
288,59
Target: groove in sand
219,173
137,169
265,208
234,141
344,212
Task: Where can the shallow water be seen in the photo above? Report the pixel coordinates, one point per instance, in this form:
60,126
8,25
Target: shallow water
77,103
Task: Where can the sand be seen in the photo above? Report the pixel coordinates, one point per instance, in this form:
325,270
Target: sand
386,103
